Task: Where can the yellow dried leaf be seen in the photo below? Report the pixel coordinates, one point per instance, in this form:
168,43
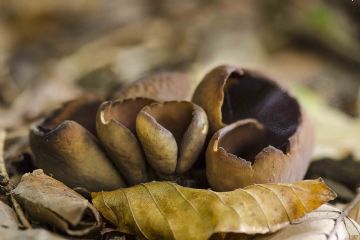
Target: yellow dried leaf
165,210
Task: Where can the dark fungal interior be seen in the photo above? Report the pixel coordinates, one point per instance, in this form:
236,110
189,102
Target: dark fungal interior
253,140
81,111
125,112
248,96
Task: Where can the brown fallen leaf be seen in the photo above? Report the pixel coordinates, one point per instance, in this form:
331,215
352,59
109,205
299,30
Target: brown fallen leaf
165,210
9,227
14,218
319,225
8,217
30,234
51,202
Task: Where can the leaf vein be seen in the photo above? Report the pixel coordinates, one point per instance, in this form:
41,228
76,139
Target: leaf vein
133,216
262,210
277,196
182,195
159,209
228,206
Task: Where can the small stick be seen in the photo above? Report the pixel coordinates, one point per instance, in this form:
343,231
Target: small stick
4,183
20,213
4,177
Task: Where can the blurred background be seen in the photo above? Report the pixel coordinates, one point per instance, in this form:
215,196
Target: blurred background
53,51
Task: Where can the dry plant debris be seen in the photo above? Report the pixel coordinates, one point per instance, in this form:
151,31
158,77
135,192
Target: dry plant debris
44,198
326,222
250,136
164,210
240,130
98,146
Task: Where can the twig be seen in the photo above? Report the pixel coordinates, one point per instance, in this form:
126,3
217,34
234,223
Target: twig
4,184
4,177
20,213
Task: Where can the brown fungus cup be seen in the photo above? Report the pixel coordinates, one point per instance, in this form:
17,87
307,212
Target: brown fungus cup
163,86
172,135
119,143
65,146
261,133
116,130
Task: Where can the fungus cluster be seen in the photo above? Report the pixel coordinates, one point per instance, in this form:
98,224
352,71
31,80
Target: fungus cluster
246,127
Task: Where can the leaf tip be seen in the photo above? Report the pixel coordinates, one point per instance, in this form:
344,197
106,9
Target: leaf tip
327,189
332,194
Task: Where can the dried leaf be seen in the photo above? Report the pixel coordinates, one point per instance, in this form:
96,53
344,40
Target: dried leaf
51,202
8,218
30,234
164,210
9,227
319,225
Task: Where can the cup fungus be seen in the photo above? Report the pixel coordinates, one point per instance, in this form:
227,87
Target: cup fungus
164,86
117,131
261,133
109,153
65,146
172,135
